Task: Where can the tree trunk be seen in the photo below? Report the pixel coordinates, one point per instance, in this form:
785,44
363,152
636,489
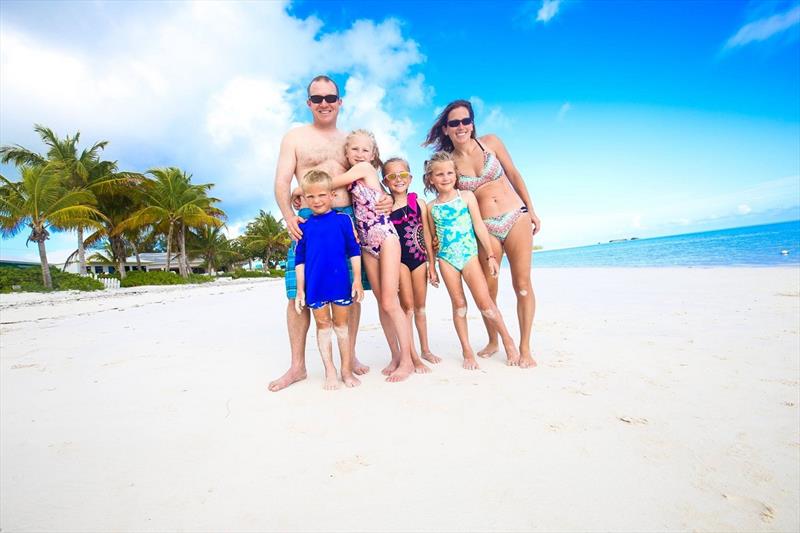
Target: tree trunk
118,247
250,262
136,253
48,282
81,254
183,263
169,244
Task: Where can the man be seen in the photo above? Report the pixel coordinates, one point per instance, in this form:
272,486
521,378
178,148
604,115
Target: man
315,146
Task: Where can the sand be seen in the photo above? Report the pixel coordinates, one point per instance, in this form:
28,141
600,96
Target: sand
665,399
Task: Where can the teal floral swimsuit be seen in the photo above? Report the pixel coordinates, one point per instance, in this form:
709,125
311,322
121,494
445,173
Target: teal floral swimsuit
457,244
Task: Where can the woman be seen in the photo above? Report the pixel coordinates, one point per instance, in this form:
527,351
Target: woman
485,167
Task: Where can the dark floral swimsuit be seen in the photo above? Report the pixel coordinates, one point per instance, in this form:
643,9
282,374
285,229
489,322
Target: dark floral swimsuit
408,222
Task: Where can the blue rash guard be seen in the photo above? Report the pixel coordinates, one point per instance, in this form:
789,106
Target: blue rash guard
325,249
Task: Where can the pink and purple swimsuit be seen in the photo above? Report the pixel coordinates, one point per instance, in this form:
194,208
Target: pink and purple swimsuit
372,228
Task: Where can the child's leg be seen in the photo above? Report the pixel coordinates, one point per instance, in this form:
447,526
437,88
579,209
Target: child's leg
354,317
372,268
419,282
480,293
390,285
497,250
322,316
340,318
452,280
407,304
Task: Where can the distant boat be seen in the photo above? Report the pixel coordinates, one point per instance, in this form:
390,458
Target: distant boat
784,252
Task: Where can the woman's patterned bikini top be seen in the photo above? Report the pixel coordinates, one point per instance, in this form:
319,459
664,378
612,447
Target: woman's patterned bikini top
492,171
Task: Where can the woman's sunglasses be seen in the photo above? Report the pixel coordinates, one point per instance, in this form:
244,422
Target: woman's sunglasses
454,123
318,98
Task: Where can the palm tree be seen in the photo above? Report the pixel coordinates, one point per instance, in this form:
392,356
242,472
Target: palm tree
170,201
265,236
212,245
41,201
77,170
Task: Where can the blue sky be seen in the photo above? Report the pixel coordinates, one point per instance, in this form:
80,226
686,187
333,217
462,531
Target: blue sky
625,118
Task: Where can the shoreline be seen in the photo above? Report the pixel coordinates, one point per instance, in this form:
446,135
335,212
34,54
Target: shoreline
665,398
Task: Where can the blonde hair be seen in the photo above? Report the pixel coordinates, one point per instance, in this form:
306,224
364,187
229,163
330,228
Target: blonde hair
315,177
394,160
376,156
438,157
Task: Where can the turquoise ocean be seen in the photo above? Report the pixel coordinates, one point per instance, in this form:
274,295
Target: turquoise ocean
766,245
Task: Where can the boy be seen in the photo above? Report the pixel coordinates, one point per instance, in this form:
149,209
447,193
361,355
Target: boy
323,279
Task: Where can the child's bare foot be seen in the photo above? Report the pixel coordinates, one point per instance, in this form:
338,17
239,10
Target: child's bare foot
359,368
331,383
401,374
391,367
421,368
350,380
526,361
291,376
470,363
489,350
429,357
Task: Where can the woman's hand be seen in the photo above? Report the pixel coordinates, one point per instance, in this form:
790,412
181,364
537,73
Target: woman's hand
537,224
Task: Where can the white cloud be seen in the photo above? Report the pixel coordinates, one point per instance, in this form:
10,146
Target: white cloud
489,118
763,29
743,209
548,10
565,108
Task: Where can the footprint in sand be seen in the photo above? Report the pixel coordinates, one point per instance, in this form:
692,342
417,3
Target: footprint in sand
632,420
766,512
351,464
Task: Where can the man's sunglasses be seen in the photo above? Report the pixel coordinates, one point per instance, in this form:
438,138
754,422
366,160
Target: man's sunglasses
454,123
318,98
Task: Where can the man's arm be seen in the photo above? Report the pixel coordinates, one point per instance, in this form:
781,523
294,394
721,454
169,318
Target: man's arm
287,162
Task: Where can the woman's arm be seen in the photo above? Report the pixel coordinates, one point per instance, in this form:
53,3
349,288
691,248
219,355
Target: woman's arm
480,230
514,177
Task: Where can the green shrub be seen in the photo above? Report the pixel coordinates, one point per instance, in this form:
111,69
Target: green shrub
30,280
276,273
200,278
240,273
137,279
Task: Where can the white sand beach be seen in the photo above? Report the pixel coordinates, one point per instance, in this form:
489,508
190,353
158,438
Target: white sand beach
664,399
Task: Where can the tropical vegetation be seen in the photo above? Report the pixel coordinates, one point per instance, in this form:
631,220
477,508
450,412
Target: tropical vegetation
118,214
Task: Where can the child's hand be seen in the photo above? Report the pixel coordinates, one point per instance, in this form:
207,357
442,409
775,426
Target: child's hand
494,268
358,291
299,301
433,276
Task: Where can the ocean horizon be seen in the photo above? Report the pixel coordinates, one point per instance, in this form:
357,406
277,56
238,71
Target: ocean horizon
764,245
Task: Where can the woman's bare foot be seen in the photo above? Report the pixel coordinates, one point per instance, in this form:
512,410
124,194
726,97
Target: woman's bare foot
401,374
429,357
350,380
359,368
391,367
489,350
470,363
512,354
526,361
291,376
331,383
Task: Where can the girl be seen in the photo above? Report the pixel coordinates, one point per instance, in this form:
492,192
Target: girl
381,246
410,218
457,220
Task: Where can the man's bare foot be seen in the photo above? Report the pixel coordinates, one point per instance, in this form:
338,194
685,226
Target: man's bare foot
421,368
526,361
331,383
291,376
401,374
359,368
429,357
489,350
470,363
391,367
350,380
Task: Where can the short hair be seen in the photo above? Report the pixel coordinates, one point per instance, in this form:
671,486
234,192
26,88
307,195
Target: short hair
315,177
394,160
439,157
321,77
